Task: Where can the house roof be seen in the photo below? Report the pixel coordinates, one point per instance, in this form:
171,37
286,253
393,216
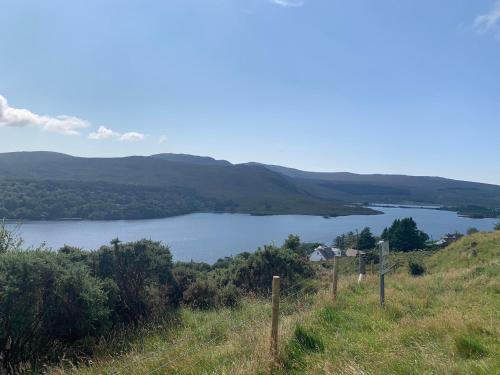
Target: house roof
327,252
353,252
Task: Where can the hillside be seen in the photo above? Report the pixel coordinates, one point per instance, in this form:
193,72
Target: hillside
397,189
171,184
443,322
136,187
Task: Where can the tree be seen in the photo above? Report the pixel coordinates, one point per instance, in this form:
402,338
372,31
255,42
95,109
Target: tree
292,242
404,235
497,226
366,241
346,241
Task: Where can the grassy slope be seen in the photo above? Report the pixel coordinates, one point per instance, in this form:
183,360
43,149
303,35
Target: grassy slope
446,322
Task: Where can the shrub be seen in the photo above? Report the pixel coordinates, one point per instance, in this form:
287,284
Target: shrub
255,272
229,296
416,268
469,346
140,275
46,299
472,230
201,294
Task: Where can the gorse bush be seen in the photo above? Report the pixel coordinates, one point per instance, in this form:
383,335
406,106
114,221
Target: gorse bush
46,299
416,268
51,302
139,277
201,294
254,272
60,303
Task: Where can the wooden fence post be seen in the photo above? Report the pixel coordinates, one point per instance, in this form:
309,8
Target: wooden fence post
335,278
275,316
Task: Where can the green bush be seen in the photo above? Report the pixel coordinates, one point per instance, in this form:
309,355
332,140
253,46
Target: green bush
229,296
254,273
46,300
472,230
416,268
202,295
58,303
140,276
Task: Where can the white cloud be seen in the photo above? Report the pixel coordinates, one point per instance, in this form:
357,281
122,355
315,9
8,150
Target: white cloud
489,21
20,118
163,139
132,136
288,3
106,133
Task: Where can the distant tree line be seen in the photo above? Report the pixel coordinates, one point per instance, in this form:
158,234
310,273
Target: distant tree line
46,200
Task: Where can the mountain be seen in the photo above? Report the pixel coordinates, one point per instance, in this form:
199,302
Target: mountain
47,185
192,159
44,185
400,189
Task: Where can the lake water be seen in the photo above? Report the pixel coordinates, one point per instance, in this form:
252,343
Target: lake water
208,237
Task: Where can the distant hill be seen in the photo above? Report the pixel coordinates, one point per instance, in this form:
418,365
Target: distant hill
192,159
44,185
398,189
47,185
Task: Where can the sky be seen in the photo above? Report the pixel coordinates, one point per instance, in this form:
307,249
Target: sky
386,86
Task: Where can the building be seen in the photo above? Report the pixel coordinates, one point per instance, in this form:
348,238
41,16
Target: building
353,253
448,239
324,253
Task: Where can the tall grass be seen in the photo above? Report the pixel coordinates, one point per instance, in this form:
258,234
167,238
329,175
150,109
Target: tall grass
445,322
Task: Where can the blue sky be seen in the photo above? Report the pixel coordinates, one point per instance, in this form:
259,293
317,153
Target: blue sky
366,86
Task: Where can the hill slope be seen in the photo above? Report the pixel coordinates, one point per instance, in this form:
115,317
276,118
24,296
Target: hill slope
171,184
399,189
445,322
123,186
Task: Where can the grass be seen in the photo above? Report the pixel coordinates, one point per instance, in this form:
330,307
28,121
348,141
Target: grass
444,322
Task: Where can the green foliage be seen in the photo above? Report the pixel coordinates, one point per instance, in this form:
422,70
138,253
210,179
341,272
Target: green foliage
346,241
292,242
404,235
46,301
54,301
366,241
228,296
303,249
416,268
469,346
45,200
9,239
472,230
141,273
253,273
202,294
497,226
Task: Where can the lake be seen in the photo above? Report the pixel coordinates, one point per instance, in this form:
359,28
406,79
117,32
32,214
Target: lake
207,237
